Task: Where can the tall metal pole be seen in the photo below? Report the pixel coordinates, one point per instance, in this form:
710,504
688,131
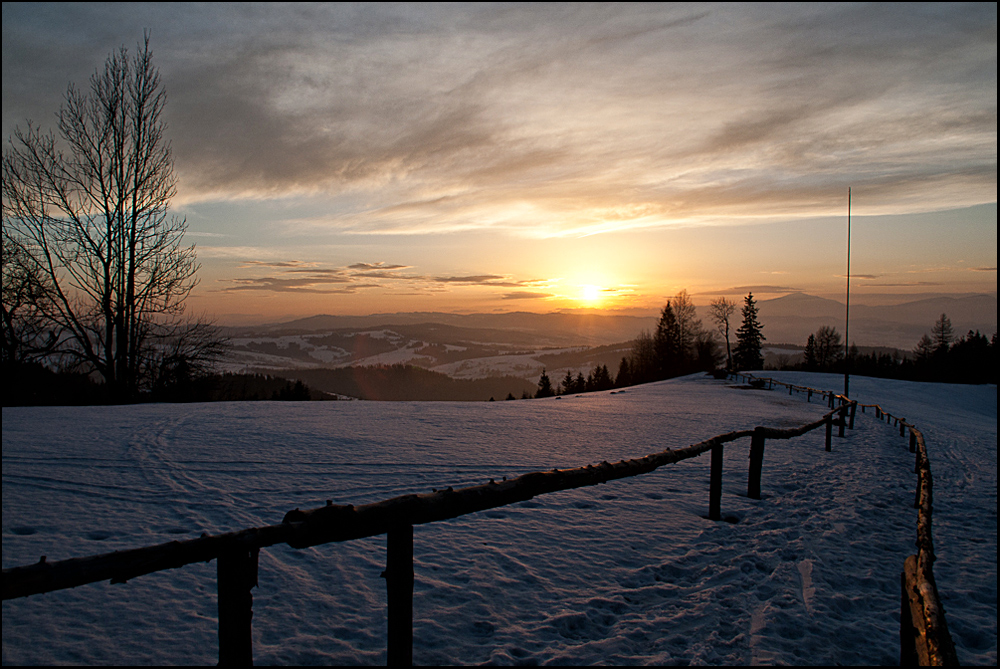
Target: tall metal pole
847,316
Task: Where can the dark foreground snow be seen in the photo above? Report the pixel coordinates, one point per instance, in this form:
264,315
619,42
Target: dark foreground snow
628,572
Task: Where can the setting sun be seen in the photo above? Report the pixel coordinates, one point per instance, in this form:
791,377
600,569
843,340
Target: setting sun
590,294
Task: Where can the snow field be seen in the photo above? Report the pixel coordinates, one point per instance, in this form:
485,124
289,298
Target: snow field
628,572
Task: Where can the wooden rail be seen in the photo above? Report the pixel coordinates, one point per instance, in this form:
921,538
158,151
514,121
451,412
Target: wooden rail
923,630
237,552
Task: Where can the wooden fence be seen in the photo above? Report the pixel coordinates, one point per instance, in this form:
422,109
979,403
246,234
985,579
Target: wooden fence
923,631
236,552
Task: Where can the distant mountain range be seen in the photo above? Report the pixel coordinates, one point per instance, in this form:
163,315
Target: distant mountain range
790,319
521,344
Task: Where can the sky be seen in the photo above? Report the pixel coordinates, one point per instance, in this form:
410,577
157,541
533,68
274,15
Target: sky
355,159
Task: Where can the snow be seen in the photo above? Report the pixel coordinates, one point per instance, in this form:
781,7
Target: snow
523,365
629,572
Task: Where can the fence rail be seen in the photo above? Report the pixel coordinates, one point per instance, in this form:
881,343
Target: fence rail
236,553
923,630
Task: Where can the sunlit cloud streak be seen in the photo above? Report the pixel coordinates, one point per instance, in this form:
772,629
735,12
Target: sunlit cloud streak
753,289
525,295
300,276
375,266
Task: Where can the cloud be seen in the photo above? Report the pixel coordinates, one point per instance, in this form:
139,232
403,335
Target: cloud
479,280
525,295
297,276
369,267
276,263
551,120
983,269
902,284
753,289
290,285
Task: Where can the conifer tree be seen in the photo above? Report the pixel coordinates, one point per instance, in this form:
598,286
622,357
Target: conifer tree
942,332
810,355
667,344
544,386
624,377
566,387
749,337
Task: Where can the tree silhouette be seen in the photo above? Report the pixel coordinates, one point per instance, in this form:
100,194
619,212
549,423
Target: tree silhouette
624,376
667,343
567,385
749,337
544,386
942,334
828,347
721,310
89,211
810,353
688,330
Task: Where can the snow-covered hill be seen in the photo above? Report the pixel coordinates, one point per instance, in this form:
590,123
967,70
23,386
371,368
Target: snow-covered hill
627,572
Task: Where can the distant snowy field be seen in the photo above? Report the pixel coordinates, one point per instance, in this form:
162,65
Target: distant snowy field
628,572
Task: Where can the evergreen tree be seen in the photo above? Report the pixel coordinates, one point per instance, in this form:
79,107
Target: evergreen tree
600,379
924,349
942,334
810,355
566,387
544,386
667,344
749,337
624,377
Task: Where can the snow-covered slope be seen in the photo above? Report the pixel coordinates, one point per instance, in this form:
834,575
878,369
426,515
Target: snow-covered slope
627,572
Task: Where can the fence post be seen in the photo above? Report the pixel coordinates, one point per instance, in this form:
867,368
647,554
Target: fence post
809,395
913,441
842,421
715,484
829,432
831,401
237,574
907,633
756,463
399,586
854,410
902,427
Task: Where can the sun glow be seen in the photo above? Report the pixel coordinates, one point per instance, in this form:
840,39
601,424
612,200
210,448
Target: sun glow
590,294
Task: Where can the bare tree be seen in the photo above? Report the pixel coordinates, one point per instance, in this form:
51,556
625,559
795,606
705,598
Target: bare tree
829,350
721,310
643,359
688,326
89,209
26,337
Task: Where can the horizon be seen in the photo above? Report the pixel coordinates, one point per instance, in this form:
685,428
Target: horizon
497,159
870,300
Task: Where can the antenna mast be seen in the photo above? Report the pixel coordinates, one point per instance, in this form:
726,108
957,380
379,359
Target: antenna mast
847,316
